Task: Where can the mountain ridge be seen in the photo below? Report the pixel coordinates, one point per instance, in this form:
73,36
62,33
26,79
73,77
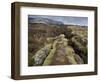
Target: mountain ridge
44,20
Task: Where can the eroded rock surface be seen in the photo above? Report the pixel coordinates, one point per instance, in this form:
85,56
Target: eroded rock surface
57,52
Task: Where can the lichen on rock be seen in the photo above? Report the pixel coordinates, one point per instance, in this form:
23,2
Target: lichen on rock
56,51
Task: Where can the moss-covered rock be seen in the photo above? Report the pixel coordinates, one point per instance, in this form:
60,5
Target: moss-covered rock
62,53
77,43
57,51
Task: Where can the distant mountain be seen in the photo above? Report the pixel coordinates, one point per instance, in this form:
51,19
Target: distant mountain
44,21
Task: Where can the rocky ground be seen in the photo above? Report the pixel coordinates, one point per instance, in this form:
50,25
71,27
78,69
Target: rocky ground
57,52
57,45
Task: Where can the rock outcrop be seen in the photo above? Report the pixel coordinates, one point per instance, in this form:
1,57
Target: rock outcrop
56,52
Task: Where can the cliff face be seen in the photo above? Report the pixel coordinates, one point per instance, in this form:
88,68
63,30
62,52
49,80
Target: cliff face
52,44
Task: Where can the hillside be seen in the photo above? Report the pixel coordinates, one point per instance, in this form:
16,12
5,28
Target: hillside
42,38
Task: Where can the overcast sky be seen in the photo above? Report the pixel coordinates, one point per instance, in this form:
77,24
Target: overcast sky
65,19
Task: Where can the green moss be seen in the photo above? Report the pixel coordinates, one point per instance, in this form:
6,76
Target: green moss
69,51
71,59
70,55
48,60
